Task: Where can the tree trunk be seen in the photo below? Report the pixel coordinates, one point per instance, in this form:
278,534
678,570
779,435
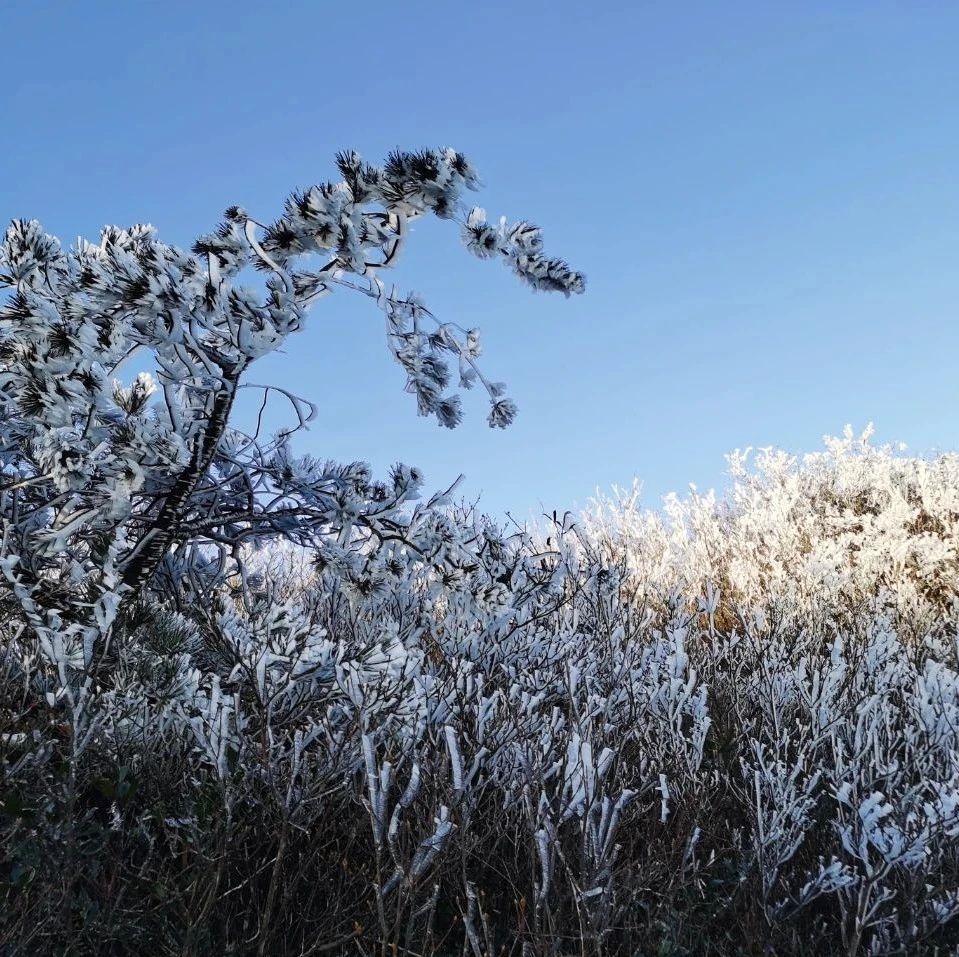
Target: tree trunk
150,550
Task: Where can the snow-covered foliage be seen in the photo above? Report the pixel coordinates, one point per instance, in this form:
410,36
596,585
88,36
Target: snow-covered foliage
605,734
255,703
105,491
854,526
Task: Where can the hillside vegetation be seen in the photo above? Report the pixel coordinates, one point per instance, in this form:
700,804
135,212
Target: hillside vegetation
727,727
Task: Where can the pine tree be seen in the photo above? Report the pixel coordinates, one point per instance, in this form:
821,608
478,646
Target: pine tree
107,490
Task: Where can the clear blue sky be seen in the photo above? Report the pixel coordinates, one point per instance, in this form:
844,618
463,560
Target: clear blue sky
764,197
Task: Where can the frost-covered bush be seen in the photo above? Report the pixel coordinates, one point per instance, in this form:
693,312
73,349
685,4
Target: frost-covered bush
553,750
850,527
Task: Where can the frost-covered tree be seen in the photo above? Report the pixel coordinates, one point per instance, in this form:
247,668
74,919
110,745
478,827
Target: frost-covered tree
105,485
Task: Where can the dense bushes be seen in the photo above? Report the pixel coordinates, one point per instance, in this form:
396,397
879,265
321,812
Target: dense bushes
731,728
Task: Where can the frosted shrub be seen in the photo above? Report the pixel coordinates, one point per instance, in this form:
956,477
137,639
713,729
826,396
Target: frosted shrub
852,525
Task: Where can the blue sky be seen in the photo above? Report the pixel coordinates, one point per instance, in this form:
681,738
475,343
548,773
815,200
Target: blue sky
764,198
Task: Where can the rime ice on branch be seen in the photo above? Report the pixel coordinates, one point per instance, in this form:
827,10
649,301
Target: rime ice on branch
102,484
